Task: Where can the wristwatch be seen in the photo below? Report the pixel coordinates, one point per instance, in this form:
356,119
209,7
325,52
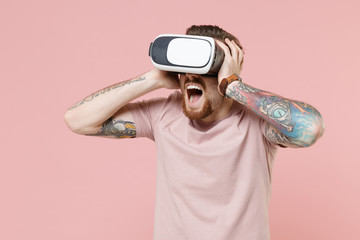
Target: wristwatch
226,81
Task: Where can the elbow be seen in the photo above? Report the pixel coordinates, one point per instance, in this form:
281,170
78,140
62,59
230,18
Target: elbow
74,123
70,122
318,133
310,137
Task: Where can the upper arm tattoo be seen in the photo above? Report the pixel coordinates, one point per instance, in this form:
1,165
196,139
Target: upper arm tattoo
276,137
117,129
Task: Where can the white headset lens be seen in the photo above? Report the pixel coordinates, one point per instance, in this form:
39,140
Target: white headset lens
189,52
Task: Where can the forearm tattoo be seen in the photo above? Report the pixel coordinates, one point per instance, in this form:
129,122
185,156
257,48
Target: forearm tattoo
297,122
117,128
238,95
279,138
277,110
105,90
272,134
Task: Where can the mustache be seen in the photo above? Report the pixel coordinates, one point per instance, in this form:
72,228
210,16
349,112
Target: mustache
195,79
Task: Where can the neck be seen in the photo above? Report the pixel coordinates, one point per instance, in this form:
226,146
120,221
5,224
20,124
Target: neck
221,112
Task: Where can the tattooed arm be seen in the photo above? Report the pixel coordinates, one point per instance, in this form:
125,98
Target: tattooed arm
116,128
290,123
104,113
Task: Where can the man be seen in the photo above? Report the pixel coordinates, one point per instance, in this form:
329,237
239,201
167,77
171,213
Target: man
216,140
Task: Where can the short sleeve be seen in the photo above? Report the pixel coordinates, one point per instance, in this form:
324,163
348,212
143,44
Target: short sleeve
147,114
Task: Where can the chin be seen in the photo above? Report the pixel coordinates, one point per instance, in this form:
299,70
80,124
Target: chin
200,96
202,112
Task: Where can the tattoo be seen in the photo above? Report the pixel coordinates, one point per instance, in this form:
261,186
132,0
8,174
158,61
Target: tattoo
278,110
105,90
246,88
117,128
277,137
297,122
237,96
308,120
303,106
235,92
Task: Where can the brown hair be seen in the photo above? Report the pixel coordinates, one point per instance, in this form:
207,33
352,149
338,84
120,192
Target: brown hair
212,31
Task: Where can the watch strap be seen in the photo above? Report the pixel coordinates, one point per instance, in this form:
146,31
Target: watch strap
226,82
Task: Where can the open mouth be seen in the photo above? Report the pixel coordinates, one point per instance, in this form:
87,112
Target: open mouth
194,94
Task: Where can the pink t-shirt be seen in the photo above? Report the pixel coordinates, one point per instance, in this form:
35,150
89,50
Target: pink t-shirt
213,179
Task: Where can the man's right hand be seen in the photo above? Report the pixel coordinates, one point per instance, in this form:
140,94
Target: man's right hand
168,80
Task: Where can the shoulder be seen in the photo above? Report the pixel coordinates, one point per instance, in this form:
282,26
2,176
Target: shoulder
173,101
155,108
157,102
174,98
151,113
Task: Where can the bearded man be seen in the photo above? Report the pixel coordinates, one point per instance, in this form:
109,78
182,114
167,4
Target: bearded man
216,140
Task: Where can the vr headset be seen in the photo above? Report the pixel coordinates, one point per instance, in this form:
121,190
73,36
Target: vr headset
186,54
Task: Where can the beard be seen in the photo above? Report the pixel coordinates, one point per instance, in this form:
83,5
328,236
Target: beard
206,110
212,99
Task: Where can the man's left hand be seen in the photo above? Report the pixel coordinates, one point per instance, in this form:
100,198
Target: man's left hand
232,60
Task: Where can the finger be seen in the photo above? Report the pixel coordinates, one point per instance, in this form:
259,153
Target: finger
238,50
224,47
232,46
241,54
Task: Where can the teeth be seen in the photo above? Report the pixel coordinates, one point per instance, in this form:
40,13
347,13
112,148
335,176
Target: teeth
193,87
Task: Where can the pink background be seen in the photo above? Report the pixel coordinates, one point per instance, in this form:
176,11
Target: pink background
55,184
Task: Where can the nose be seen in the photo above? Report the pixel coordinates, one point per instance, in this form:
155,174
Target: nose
192,75
189,76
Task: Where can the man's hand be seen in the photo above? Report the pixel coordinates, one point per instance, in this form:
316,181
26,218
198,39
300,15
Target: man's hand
165,79
232,60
